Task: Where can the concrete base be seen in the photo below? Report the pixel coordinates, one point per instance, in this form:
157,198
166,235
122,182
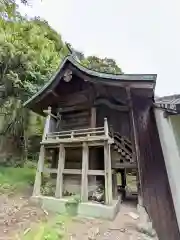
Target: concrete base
145,224
88,209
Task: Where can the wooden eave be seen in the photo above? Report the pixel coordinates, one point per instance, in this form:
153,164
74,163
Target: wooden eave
143,81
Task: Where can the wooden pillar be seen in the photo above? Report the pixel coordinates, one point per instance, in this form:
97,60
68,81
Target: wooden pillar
84,176
123,182
108,173
114,185
93,117
54,161
38,178
123,177
106,129
59,181
47,124
92,157
134,140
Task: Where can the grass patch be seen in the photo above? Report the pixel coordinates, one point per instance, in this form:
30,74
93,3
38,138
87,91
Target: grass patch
54,229
15,178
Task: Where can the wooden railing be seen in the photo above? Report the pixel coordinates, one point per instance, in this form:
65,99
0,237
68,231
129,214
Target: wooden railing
75,134
87,133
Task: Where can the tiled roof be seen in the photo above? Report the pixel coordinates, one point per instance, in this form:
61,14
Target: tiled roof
104,77
169,103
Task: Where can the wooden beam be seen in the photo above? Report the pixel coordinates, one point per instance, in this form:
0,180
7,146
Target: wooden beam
50,170
38,178
59,181
85,166
118,165
77,140
72,171
73,145
108,173
72,108
54,93
96,172
106,102
51,114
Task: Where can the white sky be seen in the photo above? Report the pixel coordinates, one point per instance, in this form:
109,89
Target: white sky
143,36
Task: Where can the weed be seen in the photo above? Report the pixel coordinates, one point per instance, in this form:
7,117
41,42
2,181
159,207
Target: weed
54,229
72,205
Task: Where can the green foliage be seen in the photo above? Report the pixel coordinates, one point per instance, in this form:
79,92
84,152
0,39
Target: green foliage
12,179
28,56
30,52
105,65
48,186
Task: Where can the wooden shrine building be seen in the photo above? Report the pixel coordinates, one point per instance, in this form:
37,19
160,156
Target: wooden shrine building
98,124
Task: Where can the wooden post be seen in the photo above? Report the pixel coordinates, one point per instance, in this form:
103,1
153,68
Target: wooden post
84,177
111,131
54,161
106,129
38,179
108,173
47,124
134,139
114,185
123,182
59,181
93,117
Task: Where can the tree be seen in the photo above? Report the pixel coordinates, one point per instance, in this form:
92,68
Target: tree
105,65
30,52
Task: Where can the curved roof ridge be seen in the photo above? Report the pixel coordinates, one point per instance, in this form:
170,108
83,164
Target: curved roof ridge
48,82
73,60
122,76
92,73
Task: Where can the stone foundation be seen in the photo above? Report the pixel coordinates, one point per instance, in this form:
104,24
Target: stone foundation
87,209
145,224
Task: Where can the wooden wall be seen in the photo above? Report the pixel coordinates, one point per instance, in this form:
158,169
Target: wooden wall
156,192
75,120
117,119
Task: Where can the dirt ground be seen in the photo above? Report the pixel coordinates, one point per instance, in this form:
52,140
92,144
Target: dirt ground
124,227
17,214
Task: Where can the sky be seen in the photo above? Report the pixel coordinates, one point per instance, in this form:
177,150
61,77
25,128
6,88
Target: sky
143,36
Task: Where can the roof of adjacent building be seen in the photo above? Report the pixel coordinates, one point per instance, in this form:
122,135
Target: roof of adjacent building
169,103
142,80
